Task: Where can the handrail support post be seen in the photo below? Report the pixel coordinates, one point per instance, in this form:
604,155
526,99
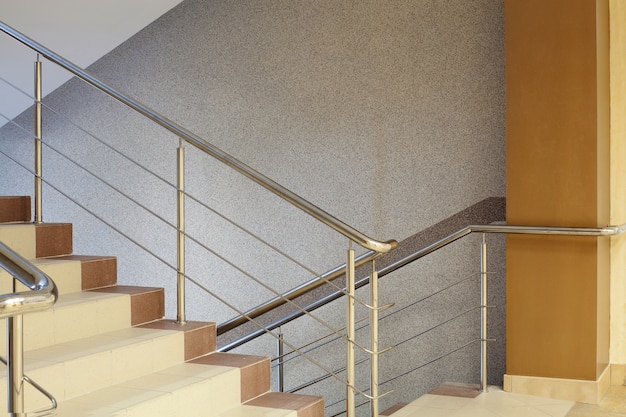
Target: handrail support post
15,365
281,363
38,137
483,315
181,319
350,332
374,403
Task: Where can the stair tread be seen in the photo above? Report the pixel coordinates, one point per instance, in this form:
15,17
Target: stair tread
162,392
106,342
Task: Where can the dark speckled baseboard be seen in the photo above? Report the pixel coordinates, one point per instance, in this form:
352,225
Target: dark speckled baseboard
487,211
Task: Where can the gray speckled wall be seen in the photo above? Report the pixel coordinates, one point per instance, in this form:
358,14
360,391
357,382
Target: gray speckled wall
387,114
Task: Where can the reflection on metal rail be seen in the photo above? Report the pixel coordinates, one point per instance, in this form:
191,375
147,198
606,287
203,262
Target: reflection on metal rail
42,294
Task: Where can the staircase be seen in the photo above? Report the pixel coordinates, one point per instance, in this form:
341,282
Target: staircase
106,350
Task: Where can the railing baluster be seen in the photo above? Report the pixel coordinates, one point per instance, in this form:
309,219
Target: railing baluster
483,315
38,136
15,366
350,331
181,233
281,362
374,403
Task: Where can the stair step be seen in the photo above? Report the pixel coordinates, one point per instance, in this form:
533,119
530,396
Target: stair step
147,303
15,209
96,271
455,389
189,390
303,405
255,371
37,240
182,390
200,337
71,274
76,368
73,317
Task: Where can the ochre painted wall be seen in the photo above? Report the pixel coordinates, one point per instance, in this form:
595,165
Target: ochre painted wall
618,180
557,175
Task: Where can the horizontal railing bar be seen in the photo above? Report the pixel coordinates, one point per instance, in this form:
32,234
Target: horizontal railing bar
294,293
198,142
536,230
430,362
290,317
532,230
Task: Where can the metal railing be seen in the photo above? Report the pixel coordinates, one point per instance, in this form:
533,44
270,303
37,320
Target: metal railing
354,236
42,294
375,247
607,231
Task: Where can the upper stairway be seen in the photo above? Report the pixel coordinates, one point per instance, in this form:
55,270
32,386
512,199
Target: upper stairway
106,350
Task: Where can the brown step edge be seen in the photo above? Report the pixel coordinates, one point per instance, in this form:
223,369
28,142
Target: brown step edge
255,371
199,336
15,209
53,239
304,405
393,409
96,271
454,389
146,303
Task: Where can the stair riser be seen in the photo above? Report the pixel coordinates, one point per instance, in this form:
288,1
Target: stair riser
38,240
15,209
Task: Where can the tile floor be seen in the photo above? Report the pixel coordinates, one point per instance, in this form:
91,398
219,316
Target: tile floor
497,403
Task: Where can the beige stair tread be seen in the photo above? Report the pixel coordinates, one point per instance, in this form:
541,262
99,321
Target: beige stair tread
62,352
303,405
75,368
183,389
74,316
254,411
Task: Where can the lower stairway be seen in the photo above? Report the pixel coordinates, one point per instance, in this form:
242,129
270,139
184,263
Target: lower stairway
106,350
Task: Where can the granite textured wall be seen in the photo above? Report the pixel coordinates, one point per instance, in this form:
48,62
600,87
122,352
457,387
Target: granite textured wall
388,115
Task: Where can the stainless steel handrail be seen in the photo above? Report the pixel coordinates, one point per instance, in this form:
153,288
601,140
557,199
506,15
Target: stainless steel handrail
316,282
43,292
533,230
293,293
203,145
42,295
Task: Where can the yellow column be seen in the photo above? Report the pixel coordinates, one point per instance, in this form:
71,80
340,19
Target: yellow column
618,190
558,149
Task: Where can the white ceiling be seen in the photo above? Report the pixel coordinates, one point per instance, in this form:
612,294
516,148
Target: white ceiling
81,31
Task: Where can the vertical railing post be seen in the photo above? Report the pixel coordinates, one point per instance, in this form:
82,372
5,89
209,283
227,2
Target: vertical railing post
350,332
281,365
374,404
181,233
483,315
15,366
38,137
